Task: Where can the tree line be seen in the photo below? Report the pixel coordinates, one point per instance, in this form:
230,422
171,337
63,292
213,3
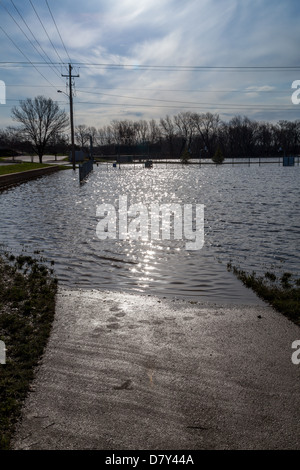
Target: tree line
184,135
201,135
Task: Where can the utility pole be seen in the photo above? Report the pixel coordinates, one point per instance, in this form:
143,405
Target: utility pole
70,76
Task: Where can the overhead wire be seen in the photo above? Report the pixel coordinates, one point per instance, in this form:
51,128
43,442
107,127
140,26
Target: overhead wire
192,68
46,32
217,105
35,38
23,53
58,30
157,99
165,68
24,33
174,104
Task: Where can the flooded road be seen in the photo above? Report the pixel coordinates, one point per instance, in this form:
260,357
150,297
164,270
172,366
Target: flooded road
252,218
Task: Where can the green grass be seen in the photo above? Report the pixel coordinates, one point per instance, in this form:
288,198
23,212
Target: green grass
8,169
27,307
283,292
65,167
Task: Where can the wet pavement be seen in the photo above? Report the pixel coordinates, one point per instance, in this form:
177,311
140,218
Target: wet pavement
124,371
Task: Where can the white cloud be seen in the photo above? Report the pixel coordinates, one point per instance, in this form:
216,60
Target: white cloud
161,32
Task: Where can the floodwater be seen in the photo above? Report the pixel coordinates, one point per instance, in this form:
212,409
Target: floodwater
252,218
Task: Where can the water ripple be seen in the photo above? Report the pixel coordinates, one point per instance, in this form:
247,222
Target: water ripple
251,217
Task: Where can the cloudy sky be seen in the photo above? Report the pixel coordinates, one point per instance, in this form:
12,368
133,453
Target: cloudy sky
143,59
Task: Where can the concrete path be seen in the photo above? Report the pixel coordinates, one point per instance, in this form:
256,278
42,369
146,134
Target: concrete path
130,372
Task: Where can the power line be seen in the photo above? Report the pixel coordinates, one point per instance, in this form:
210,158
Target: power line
57,30
216,105
187,105
169,90
20,50
208,106
153,99
42,24
184,90
175,68
22,30
173,104
35,38
137,67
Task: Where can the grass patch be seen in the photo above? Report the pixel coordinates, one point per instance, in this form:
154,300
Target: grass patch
283,292
27,307
18,167
65,167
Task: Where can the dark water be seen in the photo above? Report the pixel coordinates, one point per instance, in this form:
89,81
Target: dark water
252,218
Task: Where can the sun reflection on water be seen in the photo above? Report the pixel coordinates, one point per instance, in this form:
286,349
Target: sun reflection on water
251,217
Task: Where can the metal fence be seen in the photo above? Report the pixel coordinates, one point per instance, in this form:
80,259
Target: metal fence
84,169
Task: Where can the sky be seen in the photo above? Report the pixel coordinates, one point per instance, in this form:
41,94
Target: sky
144,59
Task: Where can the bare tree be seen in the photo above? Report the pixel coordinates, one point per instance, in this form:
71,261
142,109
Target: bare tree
168,130
124,132
242,136
41,119
106,136
288,135
186,126
264,139
81,135
141,130
207,125
93,133
154,132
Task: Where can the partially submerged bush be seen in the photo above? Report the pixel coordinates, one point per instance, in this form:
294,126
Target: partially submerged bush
284,296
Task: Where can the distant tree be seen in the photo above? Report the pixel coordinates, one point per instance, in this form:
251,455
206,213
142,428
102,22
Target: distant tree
59,143
168,131
41,120
81,135
93,133
207,127
185,156
185,128
154,132
123,131
141,130
170,136
218,157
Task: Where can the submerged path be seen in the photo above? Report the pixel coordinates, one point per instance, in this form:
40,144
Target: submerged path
126,371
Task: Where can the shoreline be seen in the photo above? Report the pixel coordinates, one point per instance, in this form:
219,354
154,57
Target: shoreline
11,179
